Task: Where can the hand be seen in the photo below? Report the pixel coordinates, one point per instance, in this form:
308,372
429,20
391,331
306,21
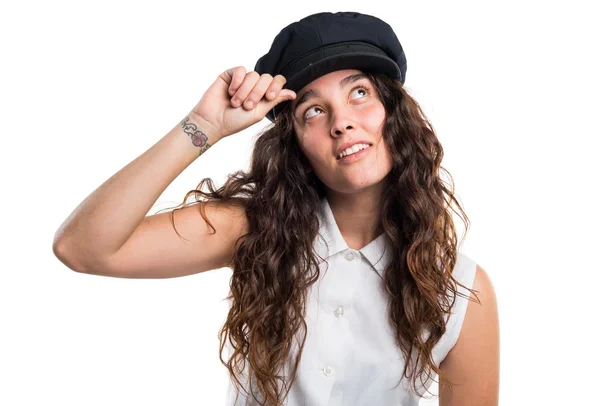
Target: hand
237,100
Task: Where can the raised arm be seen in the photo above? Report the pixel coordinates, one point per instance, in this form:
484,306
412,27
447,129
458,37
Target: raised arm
110,234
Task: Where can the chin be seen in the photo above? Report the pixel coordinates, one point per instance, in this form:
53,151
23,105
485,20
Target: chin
355,187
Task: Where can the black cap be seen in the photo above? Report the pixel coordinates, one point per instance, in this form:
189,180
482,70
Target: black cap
325,42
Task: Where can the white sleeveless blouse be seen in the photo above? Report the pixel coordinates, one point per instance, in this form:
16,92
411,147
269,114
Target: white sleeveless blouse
350,357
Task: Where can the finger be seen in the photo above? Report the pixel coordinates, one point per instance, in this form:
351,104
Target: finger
275,87
266,105
237,78
258,91
245,88
287,94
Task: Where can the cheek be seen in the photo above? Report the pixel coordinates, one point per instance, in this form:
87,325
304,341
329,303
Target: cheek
375,126
314,145
375,118
308,147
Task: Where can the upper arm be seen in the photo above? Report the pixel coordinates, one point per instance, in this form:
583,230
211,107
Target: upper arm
155,250
473,363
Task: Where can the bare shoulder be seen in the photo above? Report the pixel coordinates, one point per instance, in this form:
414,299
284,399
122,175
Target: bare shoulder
473,363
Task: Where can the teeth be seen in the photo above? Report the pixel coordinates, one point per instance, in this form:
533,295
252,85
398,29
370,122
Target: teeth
353,149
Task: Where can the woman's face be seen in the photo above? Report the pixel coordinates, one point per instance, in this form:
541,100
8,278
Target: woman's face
333,112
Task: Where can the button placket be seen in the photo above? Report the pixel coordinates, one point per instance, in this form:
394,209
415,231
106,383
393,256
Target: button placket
349,255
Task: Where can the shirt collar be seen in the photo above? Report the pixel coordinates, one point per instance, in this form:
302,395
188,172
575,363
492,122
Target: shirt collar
329,241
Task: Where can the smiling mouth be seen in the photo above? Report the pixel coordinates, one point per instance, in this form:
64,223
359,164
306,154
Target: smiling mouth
353,153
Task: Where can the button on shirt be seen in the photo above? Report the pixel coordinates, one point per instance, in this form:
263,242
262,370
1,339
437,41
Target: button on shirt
350,356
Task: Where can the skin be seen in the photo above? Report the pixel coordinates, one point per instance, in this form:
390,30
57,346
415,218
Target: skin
338,114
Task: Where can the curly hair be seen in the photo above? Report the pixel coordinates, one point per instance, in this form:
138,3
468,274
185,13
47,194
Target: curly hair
274,263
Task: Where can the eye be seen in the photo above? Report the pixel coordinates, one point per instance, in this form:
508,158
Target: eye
306,116
361,89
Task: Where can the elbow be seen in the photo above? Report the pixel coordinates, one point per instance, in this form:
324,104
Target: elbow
70,256
62,252
75,259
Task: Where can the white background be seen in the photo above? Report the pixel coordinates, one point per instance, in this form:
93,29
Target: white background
86,87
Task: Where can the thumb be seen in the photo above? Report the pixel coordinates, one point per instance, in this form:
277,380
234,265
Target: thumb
267,105
284,95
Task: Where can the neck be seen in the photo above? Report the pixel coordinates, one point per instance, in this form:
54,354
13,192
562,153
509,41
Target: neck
357,216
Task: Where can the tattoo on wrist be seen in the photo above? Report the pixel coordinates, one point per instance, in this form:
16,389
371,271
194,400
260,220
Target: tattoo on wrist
199,139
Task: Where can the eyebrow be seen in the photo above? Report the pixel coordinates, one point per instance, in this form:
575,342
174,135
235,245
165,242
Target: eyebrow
312,93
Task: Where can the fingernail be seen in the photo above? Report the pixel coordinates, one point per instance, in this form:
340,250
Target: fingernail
250,104
272,94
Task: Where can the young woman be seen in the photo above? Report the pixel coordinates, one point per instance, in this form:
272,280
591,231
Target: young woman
348,286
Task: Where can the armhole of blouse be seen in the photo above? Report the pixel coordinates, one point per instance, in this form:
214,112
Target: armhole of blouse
464,272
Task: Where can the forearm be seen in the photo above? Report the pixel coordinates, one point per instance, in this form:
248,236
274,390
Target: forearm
106,219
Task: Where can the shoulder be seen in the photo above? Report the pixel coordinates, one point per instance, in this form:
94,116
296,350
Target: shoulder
481,318
473,362
483,283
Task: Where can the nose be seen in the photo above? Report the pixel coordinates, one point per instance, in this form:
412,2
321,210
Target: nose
342,122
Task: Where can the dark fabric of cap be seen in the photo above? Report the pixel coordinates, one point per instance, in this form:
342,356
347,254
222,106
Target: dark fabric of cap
325,42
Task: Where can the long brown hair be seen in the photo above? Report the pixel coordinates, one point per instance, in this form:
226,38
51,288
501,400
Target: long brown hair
274,263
